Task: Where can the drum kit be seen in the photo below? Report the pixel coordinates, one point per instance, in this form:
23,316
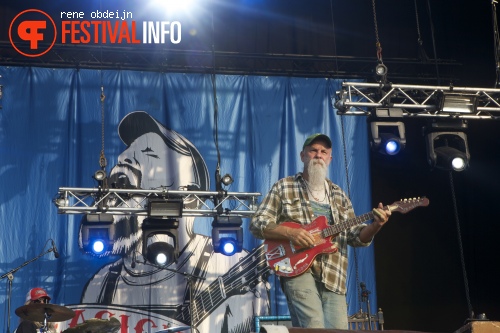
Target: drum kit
45,313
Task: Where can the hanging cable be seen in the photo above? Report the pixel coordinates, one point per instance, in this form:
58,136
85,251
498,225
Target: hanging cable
421,50
464,271
334,40
433,42
102,158
218,183
346,169
496,42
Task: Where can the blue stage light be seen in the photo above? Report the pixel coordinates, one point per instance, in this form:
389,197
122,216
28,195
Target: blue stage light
97,232
392,146
227,235
97,246
388,138
228,246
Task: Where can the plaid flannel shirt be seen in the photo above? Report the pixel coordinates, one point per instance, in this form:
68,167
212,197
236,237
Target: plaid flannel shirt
288,201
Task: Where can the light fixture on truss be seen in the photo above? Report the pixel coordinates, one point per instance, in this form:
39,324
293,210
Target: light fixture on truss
388,137
227,235
98,233
160,241
458,103
447,147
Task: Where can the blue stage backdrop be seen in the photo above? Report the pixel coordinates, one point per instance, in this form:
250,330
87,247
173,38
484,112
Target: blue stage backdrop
158,131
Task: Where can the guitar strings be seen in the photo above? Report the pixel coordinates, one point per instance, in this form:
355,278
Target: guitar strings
206,298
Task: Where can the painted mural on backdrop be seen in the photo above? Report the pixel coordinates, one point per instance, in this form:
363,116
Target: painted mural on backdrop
228,291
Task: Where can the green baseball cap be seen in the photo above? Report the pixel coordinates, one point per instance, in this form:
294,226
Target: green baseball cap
317,136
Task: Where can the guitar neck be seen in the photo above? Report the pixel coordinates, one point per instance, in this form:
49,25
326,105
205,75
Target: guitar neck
338,228
237,280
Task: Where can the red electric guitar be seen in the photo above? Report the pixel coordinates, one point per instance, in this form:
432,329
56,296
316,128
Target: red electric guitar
288,260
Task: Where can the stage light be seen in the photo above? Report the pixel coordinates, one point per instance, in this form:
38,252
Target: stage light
447,147
100,175
381,70
388,138
61,201
165,208
97,246
160,229
227,235
97,231
458,103
160,253
158,235
391,144
227,179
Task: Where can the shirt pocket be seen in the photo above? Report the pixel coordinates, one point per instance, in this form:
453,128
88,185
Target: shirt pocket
292,210
342,214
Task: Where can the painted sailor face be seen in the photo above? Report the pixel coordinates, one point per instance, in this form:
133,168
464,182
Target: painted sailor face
149,164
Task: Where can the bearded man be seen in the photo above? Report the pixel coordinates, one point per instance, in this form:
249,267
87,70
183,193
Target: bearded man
317,297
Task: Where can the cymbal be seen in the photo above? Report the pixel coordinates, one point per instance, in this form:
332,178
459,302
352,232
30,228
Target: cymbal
95,325
37,311
175,329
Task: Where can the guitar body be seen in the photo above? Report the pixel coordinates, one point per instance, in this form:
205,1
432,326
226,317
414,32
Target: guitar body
287,260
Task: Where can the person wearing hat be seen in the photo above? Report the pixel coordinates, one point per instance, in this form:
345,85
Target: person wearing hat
316,298
34,296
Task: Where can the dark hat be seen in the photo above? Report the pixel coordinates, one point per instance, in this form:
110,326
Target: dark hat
318,136
36,293
138,123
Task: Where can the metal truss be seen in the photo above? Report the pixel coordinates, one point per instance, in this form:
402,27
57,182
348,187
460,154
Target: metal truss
71,200
158,59
357,98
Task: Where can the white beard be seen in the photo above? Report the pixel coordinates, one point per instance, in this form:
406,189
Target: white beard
316,169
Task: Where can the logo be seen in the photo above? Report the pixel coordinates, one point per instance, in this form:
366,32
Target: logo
32,33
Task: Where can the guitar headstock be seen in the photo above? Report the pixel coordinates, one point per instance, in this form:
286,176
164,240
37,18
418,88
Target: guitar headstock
405,205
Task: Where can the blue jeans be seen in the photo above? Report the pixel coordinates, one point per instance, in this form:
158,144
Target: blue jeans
311,305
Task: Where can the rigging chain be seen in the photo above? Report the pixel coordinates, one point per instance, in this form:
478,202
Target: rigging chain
102,158
379,46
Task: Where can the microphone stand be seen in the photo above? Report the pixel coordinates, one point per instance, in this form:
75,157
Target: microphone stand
10,276
364,298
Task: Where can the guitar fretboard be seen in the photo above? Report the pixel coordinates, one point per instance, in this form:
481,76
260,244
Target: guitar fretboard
338,228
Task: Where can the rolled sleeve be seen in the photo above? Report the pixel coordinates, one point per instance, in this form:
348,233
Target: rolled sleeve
354,236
